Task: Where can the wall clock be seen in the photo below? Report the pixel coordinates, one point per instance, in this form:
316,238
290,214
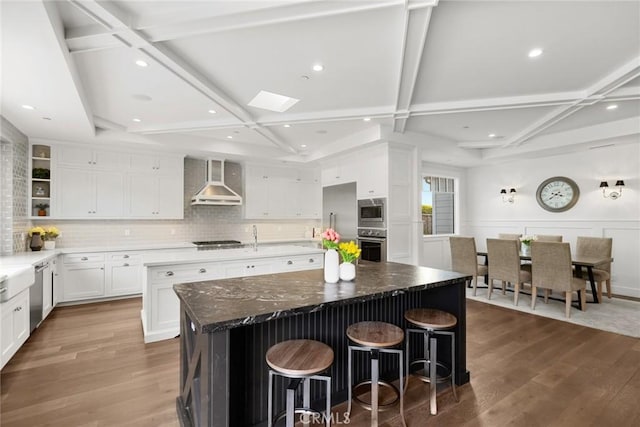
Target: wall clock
557,194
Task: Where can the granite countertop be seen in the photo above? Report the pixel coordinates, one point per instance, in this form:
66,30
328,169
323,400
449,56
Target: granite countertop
223,304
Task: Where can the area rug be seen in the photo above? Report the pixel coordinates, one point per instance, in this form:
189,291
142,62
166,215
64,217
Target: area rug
614,315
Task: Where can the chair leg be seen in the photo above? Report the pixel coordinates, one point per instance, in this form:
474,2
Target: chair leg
546,296
534,296
599,291
490,288
475,284
504,287
608,283
583,299
567,304
516,293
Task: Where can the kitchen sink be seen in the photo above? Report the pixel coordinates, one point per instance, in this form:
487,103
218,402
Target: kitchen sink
14,279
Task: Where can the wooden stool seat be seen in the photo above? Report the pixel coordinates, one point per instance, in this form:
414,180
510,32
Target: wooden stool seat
300,357
375,334
429,318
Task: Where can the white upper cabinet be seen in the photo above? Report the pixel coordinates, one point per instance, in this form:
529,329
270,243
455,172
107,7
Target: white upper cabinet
273,192
72,156
373,172
340,171
94,184
90,194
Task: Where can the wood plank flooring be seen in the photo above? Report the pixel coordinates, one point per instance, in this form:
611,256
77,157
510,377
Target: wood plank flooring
88,366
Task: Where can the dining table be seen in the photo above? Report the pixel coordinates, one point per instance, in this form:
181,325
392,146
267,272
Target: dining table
580,262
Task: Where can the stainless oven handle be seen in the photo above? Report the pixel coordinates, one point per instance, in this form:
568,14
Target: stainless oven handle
372,239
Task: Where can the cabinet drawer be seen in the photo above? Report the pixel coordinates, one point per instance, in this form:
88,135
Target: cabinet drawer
189,273
83,258
128,258
300,262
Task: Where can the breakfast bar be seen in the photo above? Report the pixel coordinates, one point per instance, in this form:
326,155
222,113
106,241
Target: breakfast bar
226,327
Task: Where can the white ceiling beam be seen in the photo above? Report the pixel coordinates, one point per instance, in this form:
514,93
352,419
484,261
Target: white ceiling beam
107,12
609,83
58,29
416,26
92,38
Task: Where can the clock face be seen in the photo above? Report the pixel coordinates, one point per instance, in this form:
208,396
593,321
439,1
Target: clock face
558,194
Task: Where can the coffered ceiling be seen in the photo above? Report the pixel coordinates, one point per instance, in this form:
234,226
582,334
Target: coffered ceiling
451,76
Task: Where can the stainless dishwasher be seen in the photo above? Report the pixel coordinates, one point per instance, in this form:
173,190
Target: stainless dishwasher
35,297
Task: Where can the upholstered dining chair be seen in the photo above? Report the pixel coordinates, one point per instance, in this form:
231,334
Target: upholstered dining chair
548,238
597,247
504,265
508,236
551,270
464,258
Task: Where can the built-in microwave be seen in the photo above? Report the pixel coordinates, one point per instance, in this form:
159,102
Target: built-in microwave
371,213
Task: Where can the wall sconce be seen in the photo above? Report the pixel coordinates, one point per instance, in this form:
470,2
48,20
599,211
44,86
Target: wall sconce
510,198
613,194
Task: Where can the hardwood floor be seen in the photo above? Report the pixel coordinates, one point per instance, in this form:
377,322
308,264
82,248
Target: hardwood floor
88,366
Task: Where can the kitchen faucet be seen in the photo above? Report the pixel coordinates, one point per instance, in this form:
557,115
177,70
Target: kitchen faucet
255,238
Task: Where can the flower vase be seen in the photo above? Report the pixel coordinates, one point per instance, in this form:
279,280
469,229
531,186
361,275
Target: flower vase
331,266
525,249
347,271
49,245
36,242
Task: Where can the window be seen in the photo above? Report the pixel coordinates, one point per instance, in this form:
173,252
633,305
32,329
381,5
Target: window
438,205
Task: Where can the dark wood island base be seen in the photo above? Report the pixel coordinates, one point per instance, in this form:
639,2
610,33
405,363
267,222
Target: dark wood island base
228,325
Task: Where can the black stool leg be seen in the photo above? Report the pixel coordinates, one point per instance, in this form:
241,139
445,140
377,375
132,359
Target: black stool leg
270,401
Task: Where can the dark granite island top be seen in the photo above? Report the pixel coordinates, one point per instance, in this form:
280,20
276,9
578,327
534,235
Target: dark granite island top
227,326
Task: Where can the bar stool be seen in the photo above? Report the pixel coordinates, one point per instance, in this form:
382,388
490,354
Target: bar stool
300,361
429,323
375,338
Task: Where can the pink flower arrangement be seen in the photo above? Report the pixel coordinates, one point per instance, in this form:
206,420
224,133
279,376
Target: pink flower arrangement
330,239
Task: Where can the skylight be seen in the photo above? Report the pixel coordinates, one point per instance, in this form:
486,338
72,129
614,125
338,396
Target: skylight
272,101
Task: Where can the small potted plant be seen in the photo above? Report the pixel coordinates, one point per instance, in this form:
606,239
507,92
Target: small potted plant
50,235
42,209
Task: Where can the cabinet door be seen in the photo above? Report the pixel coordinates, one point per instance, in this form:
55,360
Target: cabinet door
124,279
74,156
83,281
143,163
250,267
109,194
165,308
169,165
143,195
75,193
15,325
256,199
170,197
110,160
373,173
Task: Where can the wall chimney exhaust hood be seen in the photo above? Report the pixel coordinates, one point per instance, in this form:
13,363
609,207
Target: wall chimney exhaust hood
215,192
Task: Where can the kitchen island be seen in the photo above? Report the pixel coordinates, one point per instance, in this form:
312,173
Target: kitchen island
226,327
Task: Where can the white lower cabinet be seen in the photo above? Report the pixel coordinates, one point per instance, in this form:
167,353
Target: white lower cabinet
99,275
161,307
15,325
47,290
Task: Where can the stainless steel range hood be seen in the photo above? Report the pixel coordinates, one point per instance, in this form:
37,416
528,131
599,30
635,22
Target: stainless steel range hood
215,191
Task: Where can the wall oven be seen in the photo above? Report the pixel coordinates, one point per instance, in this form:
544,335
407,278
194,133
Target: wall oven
373,243
371,213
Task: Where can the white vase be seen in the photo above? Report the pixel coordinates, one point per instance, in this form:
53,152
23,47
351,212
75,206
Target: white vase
525,249
49,245
331,266
347,271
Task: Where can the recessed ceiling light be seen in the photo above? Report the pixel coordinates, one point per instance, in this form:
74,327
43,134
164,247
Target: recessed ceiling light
229,137
286,126
367,119
534,53
304,77
212,111
141,63
272,101
28,107
137,120
318,67
612,107
303,145
492,135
